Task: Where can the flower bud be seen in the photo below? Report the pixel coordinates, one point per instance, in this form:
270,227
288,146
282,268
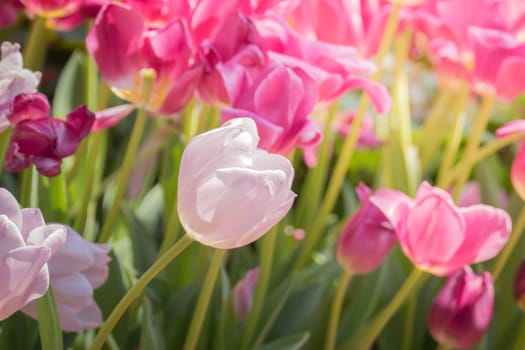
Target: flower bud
229,192
462,310
243,293
367,238
519,286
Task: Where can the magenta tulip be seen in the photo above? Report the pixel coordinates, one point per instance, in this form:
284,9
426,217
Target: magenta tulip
367,238
230,193
462,310
438,236
519,286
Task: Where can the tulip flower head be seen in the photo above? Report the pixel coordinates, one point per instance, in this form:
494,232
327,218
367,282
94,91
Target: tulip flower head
243,293
439,237
14,79
230,193
462,310
367,238
27,244
75,271
519,286
41,139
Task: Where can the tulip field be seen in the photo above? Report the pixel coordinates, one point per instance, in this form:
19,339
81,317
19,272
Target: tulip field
262,175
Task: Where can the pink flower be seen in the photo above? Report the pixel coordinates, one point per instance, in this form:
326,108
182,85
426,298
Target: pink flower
75,271
88,9
519,286
14,79
230,56
439,237
40,139
230,193
335,68
471,195
367,238
461,312
517,173
122,45
51,8
9,12
243,293
279,101
27,244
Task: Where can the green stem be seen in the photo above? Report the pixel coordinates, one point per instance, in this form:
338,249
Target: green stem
428,140
349,145
480,123
455,135
29,188
335,312
266,260
36,45
49,322
409,323
58,196
505,254
519,344
482,153
204,299
136,290
412,283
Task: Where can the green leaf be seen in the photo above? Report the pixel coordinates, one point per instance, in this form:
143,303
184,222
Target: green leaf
291,342
68,93
150,337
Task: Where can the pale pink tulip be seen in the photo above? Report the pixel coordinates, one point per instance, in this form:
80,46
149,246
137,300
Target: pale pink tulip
279,101
27,244
14,79
517,173
439,237
243,293
367,238
75,271
230,193
462,310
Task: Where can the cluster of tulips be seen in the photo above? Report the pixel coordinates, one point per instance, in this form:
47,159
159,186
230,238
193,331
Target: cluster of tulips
278,174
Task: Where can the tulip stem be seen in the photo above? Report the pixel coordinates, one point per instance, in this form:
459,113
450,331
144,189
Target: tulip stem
335,312
482,153
347,151
480,123
456,133
49,322
148,77
204,299
266,259
520,339
36,44
412,283
515,236
136,290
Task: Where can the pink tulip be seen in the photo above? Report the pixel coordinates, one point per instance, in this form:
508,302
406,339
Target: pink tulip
230,193
9,12
158,13
462,310
87,10
232,56
243,293
279,101
14,79
439,237
51,8
471,195
122,45
334,68
519,286
40,139
367,238
27,244
75,271
517,173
